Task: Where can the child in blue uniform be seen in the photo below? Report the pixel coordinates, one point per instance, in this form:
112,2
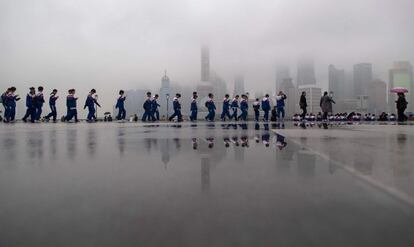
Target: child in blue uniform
120,105
11,99
211,107
71,106
4,101
155,114
90,102
177,109
266,107
30,104
194,107
52,104
39,100
243,107
234,106
256,108
226,107
147,108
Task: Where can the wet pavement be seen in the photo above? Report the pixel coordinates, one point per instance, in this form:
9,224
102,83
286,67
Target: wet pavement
112,184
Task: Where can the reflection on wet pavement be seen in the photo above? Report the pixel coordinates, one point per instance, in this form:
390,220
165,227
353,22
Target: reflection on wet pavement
204,184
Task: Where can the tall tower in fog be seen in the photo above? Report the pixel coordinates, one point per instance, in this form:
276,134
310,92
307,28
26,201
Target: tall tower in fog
362,78
205,64
306,72
164,91
238,85
336,82
282,73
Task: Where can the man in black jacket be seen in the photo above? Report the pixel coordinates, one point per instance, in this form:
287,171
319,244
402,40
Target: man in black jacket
401,106
303,105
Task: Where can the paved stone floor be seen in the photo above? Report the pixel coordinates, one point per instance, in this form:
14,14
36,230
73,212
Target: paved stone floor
112,184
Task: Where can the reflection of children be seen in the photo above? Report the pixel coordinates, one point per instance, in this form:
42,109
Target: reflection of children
195,143
280,141
226,141
210,141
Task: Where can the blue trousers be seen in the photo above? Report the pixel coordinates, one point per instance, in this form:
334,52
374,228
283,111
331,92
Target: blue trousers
243,115
234,115
256,115
91,113
193,116
121,113
53,113
266,115
156,115
211,114
225,113
38,112
6,112
72,113
146,116
31,111
177,113
280,111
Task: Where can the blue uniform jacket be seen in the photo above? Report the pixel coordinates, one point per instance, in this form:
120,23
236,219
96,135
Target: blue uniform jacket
234,104
71,101
226,104
29,100
265,104
281,102
120,102
176,105
147,104
90,102
210,105
52,100
39,100
154,105
243,105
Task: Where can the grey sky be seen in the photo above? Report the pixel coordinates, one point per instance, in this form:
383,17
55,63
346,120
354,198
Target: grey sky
113,44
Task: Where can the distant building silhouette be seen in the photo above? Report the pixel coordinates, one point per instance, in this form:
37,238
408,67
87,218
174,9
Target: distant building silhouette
306,72
239,85
205,64
336,82
282,73
377,95
362,78
164,91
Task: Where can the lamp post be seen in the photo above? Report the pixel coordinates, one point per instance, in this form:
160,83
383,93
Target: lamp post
167,96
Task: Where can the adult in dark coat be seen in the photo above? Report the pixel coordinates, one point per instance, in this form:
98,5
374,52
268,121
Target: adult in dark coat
401,106
303,105
326,104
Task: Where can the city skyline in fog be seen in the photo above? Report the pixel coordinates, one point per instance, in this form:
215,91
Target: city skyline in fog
109,45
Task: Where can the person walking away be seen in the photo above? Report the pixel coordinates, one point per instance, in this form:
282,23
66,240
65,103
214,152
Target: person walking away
12,98
31,106
194,107
39,102
226,108
120,105
244,106
71,106
401,106
234,106
90,103
266,107
211,107
326,105
176,108
256,108
280,105
155,114
52,104
147,108
303,105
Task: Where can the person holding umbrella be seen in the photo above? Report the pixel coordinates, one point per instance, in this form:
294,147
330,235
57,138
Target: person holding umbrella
401,106
401,102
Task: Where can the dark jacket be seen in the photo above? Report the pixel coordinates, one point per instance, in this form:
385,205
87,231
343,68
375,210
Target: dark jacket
401,103
326,103
302,102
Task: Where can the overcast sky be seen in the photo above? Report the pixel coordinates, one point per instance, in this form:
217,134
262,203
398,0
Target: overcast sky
114,44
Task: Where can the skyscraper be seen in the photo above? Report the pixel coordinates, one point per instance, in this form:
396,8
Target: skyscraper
402,76
238,85
165,91
205,64
377,95
282,73
336,82
306,72
362,78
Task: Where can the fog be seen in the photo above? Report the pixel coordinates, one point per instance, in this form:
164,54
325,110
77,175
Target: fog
109,45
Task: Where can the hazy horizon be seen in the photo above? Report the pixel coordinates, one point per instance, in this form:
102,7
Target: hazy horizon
112,45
